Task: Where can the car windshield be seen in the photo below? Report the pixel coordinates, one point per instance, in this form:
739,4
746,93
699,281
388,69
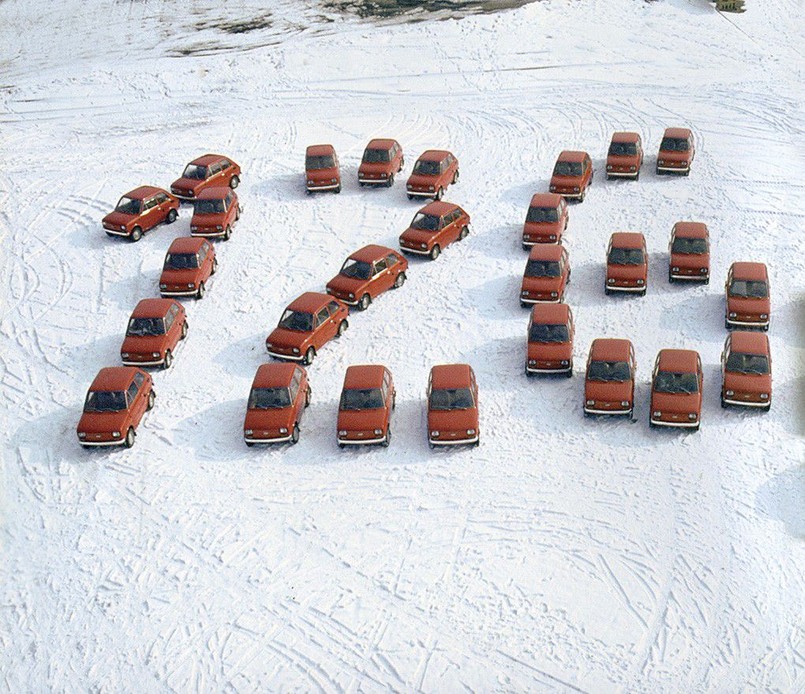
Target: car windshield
321,161
426,222
548,333
146,326
361,399
129,205
674,144
451,399
542,214
689,246
105,401
623,149
209,207
195,171
749,289
625,256
358,269
376,156
609,371
296,320
542,268
748,363
671,382
567,168
426,168
181,261
269,398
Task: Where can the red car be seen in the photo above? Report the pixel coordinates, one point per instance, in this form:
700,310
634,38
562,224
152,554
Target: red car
676,389
433,172
381,160
364,412
140,210
310,321
366,274
627,263
189,264
610,380
690,253
155,328
550,340
676,153
546,220
625,156
572,175
278,398
116,402
452,406
746,370
546,275
208,171
215,212
322,171
748,302
433,228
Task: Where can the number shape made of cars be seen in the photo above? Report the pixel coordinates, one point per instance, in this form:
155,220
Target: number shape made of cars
746,370
546,220
153,332
609,381
546,275
432,173
572,175
208,171
381,160
366,274
452,406
624,156
748,296
550,340
279,395
433,228
689,251
677,150
322,171
627,263
364,410
215,212
676,389
140,210
189,264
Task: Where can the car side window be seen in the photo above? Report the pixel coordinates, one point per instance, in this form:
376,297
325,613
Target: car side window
228,200
170,317
391,260
215,168
149,204
443,164
295,381
161,198
202,254
131,393
380,265
322,316
333,307
225,164
139,379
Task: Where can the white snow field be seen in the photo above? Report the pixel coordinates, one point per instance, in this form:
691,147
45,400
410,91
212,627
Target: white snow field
564,554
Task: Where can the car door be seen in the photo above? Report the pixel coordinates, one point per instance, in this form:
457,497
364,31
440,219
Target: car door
639,145
326,327
632,368
137,400
382,279
150,214
214,174
394,267
571,326
565,261
173,328
226,170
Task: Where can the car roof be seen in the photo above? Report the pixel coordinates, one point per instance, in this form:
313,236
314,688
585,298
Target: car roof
439,208
380,143
610,349
545,251
217,193
627,239
372,252
152,308
319,150
275,375
144,192
691,230
186,244
625,137
114,378
749,271
680,360
310,302
571,155
749,341
550,314
433,155
677,132
450,376
364,376
545,200
207,159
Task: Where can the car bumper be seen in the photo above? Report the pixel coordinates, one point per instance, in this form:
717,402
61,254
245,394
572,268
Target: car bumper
616,288
422,193
593,410
684,425
692,278
674,169
117,442
327,186
416,251
543,242
279,439
348,302
183,292
360,442
209,234
531,300
451,442
117,232
291,357
575,196
622,174
537,370
184,197
130,362
747,324
374,181
762,404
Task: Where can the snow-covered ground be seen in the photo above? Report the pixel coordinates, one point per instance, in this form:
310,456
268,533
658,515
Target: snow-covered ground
563,554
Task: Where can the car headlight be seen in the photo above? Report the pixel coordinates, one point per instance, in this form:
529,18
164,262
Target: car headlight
764,315
640,282
674,269
564,362
692,416
191,285
155,354
575,189
269,345
310,183
729,393
247,432
384,175
764,396
122,227
661,161
283,430
193,228
531,362
554,294
162,285
409,186
611,280
633,168
124,355
351,295
552,237
733,314
342,433
624,403
82,435
552,188
431,188
703,270
116,434
656,414
333,180
218,227
609,167
524,292
378,432
470,432
296,350
591,402
434,434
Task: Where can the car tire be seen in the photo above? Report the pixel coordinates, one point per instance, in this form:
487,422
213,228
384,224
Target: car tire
528,373
724,403
402,164
337,190
183,334
364,302
671,279
361,184
342,445
214,266
399,281
439,194
431,445
435,251
607,291
569,372
234,182
524,304
249,443
727,325
237,214
152,396
310,355
390,181
643,293
465,230
131,436
394,400
308,395
658,172
168,360
172,216
637,175
410,197
295,434
200,291
342,328
136,234
227,233
387,441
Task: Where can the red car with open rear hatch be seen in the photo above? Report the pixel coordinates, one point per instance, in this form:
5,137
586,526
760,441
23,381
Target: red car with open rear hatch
690,253
366,274
550,340
452,406
310,321
382,159
189,264
140,210
433,172
154,330
215,212
627,263
748,297
676,389
546,220
208,171
572,175
433,228
625,156
116,402
746,370
322,171
364,411
278,398
546,274
610,378
677,151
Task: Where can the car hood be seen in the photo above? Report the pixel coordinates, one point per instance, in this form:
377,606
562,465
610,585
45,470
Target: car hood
139,344
673,156
541,227
422,180
208,220
341,283
102,422
119,218
623,159
418,235
362,420
690,261
680,403
550,351
542,284
750,306
608,391
288,338
375,168
565,180
747,383
453,420
187,184
269,419
626,272
322,174
171,276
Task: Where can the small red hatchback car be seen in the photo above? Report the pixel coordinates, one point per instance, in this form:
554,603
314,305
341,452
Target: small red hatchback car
433,228
690,253
676,389
381,160
452,406
310,321
215,212
116,402
208,171
625,156
609,384
433,172
140,210
546,275
322,171
364,413
279,395
366,274
546,220
189,264
572,175
550,340
748,300
746,370
627,263
155,328
676,152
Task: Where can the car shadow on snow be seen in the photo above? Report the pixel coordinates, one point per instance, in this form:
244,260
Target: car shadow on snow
498,298
782,498
243,357
222,427
504,242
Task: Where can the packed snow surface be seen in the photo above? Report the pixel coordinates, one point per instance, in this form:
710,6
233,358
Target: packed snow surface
564,553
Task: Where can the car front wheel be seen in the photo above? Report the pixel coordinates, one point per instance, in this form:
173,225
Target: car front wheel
168,360
136,234
152,396
130,437
399,281
295,434
342,327
310,355
386,441
435,251
200,291
172,215
234,182
363,304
